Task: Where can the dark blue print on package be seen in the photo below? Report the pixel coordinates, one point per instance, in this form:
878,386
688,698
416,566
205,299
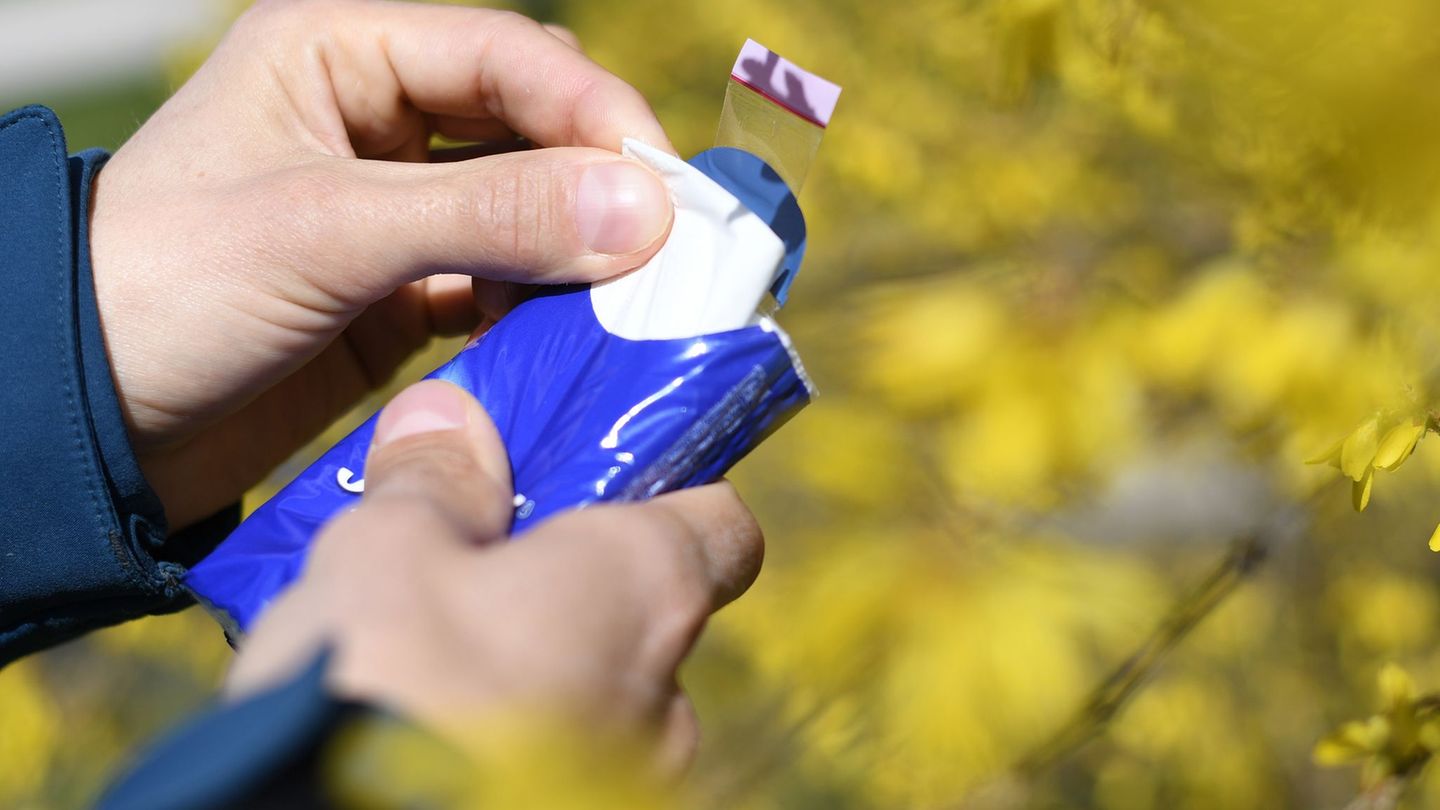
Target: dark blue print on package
620,391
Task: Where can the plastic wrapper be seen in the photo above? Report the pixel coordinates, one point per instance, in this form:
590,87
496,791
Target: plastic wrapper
777,111
660,379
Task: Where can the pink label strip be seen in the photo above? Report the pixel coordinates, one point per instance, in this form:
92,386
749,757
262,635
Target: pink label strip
786,83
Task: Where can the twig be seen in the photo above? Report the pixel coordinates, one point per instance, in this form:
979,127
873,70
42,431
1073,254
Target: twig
1244,556
1012,788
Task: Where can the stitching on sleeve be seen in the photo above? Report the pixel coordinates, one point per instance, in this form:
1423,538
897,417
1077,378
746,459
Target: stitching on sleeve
69,359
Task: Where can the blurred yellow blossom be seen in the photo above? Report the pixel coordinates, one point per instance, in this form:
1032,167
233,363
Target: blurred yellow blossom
1053,246
1396,742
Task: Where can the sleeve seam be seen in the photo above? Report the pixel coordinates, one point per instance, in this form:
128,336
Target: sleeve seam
71,359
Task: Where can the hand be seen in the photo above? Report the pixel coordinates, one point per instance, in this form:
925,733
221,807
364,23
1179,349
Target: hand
266,247
430,612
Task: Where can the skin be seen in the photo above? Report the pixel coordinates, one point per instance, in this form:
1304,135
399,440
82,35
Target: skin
428,611
274,243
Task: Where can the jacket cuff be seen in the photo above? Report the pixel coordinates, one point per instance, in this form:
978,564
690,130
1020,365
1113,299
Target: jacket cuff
82,535
136,503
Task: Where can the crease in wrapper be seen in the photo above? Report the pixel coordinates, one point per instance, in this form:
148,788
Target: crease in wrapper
658,380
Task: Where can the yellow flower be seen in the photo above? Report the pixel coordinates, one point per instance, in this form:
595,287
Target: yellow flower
1397,688
1357,454
1353,742
1360,490
1399,739
1366,450
1397,445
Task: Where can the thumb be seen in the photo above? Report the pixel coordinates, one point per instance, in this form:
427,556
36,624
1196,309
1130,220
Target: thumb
437,477
437,457
541,216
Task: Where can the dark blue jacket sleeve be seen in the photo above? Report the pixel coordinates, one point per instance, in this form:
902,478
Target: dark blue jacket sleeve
264,751
83,540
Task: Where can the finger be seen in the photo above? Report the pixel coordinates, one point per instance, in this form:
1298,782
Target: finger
565,35
283,641
677,558
495,299
381,338
455,154
478,63
411,147
725,532
540,216
486,130
452,306
435,448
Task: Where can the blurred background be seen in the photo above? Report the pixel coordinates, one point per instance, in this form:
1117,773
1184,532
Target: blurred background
1089,282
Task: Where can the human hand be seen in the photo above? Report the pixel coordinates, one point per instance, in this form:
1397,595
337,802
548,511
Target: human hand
429,611
265,248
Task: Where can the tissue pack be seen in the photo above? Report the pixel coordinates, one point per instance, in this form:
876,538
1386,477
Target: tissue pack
659,379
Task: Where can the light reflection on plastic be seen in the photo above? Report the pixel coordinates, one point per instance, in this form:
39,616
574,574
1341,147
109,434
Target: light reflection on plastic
612,439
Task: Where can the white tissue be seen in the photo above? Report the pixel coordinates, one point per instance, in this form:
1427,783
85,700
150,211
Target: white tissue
712,273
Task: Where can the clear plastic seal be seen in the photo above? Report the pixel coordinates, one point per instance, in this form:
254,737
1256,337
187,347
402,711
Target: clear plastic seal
777,111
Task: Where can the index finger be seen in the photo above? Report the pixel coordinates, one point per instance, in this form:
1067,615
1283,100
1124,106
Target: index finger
484,63
701,542
727,534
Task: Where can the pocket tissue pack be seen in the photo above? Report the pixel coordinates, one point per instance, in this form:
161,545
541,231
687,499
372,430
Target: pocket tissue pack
656,380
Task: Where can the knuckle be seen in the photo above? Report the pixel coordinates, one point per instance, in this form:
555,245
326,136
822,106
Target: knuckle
747,533
564,34
658,556
598,96
517,203
310,187
735,544
506,23
495,29
298,202
298,226
261,11
738,560
286,15
744,527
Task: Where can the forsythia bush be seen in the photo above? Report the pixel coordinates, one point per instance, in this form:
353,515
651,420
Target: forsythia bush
1089,282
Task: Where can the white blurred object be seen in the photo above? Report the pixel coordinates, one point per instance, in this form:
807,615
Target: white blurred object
48,46
1194,493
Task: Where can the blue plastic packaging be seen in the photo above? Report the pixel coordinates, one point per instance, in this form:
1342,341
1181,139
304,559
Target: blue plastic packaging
586,415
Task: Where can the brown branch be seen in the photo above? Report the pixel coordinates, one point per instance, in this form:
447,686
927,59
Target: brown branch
1013,788
1111,694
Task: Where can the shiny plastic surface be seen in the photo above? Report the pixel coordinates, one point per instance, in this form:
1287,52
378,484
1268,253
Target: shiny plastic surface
586,416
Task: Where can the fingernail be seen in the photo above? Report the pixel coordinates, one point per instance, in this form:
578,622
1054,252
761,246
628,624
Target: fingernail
425,407
621,207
